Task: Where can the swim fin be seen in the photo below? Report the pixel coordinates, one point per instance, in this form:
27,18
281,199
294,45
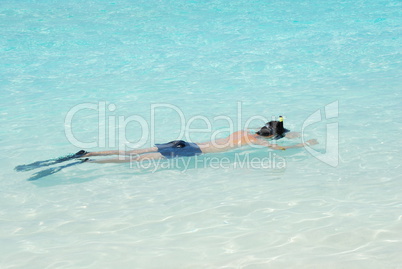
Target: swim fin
38,164
51,171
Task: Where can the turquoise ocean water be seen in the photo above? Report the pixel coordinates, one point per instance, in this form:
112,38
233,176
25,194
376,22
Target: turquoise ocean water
141,71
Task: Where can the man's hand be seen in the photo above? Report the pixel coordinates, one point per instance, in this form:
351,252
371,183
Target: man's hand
312,142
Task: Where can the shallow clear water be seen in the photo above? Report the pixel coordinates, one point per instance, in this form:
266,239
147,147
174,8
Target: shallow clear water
238,59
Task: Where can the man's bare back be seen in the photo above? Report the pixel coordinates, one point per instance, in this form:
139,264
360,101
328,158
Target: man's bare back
234,140
246,138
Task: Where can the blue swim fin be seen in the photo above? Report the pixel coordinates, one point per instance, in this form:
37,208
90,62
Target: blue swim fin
51,171
39,164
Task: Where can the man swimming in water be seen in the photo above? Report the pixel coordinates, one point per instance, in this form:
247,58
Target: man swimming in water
272,130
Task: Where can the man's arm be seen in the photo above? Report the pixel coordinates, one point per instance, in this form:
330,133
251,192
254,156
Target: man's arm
277,147
292,135
310,142
267,144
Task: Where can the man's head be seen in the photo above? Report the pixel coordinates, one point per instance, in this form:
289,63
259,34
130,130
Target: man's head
273,129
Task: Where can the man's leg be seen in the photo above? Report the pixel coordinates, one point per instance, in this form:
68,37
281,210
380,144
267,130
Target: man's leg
118,152
137,158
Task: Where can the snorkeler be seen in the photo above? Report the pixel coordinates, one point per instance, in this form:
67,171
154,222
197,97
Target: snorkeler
273,130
